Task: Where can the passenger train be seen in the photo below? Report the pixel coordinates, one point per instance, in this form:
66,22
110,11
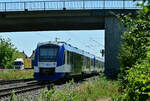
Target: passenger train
56,60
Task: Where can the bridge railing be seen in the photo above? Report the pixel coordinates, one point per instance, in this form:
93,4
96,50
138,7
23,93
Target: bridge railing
67,4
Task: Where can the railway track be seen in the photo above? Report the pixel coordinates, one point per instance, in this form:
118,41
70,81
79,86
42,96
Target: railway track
31,86
19,86
4,82
20,89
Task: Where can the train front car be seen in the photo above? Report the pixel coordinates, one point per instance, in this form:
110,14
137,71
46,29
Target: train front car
46,61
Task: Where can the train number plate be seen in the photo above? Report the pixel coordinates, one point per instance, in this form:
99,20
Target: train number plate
47,64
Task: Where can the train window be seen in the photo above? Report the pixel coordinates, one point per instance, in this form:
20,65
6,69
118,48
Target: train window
64,58
92,64
82,60
18,63
68,57
71,58
48,53
74,60
86,62
77,62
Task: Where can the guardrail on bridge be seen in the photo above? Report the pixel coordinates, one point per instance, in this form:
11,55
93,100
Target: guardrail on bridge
68,4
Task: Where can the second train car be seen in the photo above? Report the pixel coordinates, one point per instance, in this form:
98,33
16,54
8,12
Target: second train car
55,60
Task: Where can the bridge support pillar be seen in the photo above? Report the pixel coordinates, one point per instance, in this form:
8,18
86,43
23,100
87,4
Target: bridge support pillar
113,32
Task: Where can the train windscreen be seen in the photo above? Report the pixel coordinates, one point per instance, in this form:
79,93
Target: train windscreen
18,63
48,54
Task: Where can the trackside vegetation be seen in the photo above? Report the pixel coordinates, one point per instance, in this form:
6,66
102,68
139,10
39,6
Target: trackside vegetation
98,88
8,53
15,74
135,56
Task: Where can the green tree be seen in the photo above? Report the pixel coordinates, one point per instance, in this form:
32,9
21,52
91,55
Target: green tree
135,55
135,38
8,53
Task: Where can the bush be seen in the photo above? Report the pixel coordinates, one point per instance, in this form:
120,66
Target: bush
8,53
138,86
135,57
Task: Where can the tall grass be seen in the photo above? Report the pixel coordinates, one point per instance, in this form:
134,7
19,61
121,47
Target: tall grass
88,91
98,89
15,74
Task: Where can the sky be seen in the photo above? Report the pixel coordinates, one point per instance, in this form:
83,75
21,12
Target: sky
88,40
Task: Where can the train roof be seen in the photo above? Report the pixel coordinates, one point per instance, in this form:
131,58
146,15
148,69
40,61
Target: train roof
71,49
18,59
47,42
76,50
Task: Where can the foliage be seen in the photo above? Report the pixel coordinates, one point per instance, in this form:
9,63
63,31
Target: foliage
46,95
13,96
15,74
138,77
135,40
92,90
134,58
7,53
138,88
98,88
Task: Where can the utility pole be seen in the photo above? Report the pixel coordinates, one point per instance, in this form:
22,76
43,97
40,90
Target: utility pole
102,52
56,39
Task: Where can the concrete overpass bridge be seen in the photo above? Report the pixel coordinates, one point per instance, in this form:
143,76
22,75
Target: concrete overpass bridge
70,15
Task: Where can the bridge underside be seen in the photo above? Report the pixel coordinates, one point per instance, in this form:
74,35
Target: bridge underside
51,23
50,20
55,20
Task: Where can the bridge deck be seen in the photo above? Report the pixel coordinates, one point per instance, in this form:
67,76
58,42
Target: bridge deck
57,20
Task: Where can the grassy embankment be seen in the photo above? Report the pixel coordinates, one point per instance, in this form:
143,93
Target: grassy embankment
98,89
15,74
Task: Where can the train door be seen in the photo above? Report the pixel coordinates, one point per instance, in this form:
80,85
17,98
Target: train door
67,62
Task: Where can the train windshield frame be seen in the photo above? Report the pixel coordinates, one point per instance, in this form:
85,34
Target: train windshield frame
48,53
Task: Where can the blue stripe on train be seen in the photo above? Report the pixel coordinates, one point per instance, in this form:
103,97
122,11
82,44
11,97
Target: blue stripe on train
55,76
60,56
36,56
94,61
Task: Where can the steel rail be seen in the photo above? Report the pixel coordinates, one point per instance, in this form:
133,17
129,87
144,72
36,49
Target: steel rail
20,89
3,82
17,90
7,92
